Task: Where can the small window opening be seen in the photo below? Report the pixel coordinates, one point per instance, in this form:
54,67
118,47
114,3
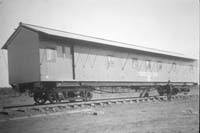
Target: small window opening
50,55
67,51
110,61
173,66
134,63
60,51
148,64
159,65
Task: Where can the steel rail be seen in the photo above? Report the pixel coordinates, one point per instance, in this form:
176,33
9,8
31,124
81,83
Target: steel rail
95,102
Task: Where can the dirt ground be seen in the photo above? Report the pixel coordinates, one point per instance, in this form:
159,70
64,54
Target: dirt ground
179,116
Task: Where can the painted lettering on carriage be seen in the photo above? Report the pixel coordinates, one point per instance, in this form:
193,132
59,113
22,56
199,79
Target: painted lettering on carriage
148,75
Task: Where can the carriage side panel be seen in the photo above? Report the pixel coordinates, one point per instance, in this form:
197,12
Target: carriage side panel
111,64
23,58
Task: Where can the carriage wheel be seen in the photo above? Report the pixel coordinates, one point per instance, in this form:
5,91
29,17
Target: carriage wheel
87,96
40,97
146,94
174,91
53,97
161,93
71,96
160,90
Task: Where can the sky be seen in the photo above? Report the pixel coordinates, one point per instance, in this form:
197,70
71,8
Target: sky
170,25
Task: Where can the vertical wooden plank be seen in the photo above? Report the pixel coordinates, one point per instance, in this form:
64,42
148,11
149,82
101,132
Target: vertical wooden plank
73,65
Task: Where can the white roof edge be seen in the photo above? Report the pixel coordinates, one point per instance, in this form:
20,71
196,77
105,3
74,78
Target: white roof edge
66,34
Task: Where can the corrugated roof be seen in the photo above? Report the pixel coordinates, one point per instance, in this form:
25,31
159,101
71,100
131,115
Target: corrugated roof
66,34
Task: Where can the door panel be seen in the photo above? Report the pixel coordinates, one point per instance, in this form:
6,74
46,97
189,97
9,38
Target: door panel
56,63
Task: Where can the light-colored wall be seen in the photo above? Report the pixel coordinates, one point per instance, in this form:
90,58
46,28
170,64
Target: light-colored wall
91,63
4,69
23,58
27,63
59,69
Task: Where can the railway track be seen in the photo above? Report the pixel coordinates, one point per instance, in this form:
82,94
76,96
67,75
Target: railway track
28,111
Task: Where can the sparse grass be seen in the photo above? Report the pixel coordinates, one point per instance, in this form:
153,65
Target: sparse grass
8,91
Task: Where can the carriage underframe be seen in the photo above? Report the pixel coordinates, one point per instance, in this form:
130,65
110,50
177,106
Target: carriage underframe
55,92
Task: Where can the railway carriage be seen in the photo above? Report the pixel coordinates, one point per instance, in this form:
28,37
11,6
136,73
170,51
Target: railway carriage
54,65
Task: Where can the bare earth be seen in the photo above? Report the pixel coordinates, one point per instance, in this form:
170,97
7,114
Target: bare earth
179,116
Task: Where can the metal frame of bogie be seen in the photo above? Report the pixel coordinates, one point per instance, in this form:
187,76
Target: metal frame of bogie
48,91
55,95
163,90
